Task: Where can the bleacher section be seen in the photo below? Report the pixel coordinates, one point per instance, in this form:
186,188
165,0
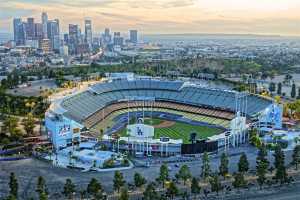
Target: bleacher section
91,106
191,112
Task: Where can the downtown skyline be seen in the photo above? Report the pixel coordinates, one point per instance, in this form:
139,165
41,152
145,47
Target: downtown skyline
168,16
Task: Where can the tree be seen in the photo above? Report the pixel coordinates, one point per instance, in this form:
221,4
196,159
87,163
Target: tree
11,197
278,157
172,190
150,193
118,181
13,185
215,183
280,174
43,196
184,173
296,156
10,125
139,180
163,174
254,138
205,173
293,91
41,188
223,168
262,165
28,123
195,188
239,180
124,194
94,189
69,189
101,134
243,165
279,88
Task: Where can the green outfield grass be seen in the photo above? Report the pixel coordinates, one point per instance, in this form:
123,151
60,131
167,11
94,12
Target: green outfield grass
180,131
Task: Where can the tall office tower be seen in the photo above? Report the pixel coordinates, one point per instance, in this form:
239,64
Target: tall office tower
19,32
38,31
118,40
56,39
44,23
30,29
106,37
88,33
133,36
66,38
53,34
73,38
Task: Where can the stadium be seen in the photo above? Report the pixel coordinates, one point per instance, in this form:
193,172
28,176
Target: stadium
175,110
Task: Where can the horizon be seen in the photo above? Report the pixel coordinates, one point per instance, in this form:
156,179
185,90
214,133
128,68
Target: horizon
157,17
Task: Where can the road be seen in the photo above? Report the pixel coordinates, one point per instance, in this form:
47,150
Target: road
27,172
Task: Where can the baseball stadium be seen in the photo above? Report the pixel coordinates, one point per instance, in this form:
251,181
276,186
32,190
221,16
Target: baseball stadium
175,109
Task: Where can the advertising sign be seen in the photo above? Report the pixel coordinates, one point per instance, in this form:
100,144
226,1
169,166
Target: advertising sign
64,130
140,130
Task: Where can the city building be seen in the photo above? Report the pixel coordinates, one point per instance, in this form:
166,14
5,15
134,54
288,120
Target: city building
106,38
44,24
53,34
32,43
66,38
30,29
19,31
64,50
88,33
118,40
133,36
46,46
38,33
73,39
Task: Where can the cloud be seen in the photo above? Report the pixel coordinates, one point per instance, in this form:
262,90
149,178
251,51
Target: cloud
8,13
119,16
155,16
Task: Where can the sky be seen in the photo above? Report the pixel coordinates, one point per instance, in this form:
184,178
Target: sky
270,17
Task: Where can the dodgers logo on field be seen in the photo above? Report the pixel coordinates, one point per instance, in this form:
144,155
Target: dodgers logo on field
139,131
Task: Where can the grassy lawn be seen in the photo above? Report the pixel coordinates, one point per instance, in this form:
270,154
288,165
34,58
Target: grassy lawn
183,131
179,131
153,121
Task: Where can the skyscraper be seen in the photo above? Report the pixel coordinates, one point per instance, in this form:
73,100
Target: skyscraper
118,40
19,31
106,36
88,33
133,36
73,38
38,31
44,23
30,28
53,33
